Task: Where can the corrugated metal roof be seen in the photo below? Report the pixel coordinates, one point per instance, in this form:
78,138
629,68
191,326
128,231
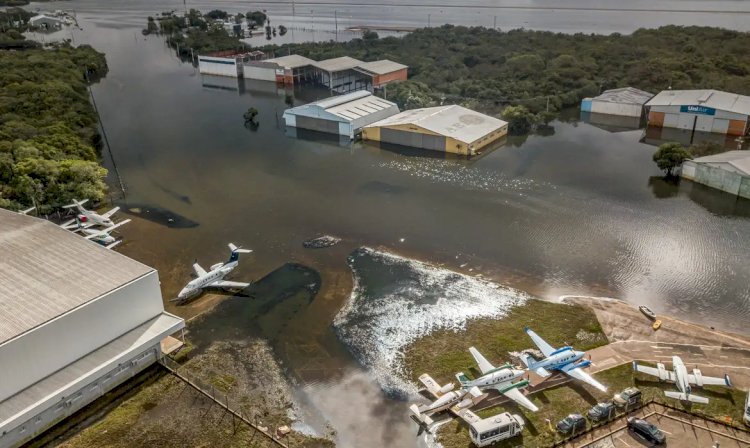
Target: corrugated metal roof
46,271
715,99
740,160
624,95
292,61
76,374
382,67
458,122
338,64
349,107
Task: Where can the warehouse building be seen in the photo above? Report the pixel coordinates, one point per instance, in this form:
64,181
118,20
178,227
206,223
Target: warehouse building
700,110
230,65
77,320
289,70
452,129
728,171
627,102
45,23
343,115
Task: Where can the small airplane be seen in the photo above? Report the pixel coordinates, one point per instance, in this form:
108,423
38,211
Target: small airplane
87,217
682,379
563,359
446,399
498,378
103,236
214,278
26,212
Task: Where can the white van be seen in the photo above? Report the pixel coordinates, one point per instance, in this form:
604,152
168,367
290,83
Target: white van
746,415
493,429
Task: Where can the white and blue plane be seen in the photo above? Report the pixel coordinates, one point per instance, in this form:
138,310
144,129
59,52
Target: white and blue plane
214,278
563,359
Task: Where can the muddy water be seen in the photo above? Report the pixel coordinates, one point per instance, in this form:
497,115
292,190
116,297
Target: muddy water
581,211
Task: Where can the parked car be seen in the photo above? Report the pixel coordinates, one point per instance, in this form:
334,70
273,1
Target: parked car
628,398
602,412
646,431
746,417
571,424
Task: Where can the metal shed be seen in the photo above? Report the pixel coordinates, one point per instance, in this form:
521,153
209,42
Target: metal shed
626,101
343,115
700,110
453,129
728,171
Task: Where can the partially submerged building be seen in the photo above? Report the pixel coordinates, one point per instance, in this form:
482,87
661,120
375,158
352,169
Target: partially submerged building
700,110
45,22
76,320
452,129
728,171
343,115
626,101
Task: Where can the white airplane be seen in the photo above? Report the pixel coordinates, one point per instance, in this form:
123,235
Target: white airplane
87,217
498,378
103,236
26,212
563,359
682,379
213,278
446,399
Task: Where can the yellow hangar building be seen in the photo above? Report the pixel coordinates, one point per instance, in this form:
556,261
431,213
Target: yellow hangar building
452,129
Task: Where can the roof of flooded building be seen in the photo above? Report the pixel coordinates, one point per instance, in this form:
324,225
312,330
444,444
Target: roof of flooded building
624,95
740,160
348,107
338,64
715,99
381,67
292,61
46,271
454,121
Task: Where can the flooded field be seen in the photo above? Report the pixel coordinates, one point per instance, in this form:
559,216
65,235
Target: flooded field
580,211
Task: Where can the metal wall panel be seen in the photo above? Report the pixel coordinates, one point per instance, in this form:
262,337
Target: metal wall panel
414,139
671,120
317,124
705,123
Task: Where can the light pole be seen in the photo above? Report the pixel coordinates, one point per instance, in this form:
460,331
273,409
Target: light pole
312,12
428,19
336,22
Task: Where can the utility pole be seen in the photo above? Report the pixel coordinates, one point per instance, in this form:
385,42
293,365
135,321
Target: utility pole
312,12
494,23
428,20
336,21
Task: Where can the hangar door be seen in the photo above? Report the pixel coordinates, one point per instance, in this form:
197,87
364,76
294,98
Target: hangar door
317,124
414,139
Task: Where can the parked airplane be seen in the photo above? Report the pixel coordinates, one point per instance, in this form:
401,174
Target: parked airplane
499,378
446,399
682,379
563,359
26,212
103,236
213,278
87,217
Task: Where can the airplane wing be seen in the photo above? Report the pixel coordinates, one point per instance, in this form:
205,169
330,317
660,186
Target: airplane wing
579,374
199,271
484,365
516,395
432,386
228,284
544,347
710,380
68,224
664,375
107,230
110,246
111,212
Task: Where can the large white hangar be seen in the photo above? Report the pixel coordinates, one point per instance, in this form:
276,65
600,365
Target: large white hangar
700,110
76,320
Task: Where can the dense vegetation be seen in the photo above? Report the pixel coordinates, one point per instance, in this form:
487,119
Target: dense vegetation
48,129
490,69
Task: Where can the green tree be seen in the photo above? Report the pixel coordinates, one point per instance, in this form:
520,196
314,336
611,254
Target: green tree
257,18
519,119
669,156
250,115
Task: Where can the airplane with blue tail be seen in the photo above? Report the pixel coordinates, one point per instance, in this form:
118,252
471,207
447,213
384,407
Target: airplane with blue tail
213,278
565,359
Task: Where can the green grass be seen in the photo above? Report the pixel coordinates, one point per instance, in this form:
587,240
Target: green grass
559,401
445,352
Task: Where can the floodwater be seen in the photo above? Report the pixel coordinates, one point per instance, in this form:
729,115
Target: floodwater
578,211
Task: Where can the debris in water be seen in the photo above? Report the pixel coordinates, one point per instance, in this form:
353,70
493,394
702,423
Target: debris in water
321,242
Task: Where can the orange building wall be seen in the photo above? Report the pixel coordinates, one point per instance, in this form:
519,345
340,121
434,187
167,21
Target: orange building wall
398,75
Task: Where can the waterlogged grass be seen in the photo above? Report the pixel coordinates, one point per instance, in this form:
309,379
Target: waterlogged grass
557,402
444,353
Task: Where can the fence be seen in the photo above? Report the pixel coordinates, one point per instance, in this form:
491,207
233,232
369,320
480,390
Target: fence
219,398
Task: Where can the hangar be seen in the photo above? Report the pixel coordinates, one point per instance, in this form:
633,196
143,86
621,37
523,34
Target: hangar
700,110
452,129
626,101
76,320
728,171
343,115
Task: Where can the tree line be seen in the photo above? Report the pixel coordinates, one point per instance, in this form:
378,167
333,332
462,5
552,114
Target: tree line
48,129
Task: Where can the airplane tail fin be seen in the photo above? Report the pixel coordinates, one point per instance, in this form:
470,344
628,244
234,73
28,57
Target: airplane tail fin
423,421
727,380
236,251
683,397
533,365
462,378
76,203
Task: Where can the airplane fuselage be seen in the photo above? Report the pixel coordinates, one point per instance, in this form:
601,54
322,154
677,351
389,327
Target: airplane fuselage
445,401
560,358
681,375
495,378
196,285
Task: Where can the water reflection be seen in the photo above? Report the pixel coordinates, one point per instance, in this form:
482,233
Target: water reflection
656,136
611,123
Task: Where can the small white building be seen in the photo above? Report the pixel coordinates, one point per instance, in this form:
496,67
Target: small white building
728,171
700,110
343,115
76,320
626,101
45,22
231,65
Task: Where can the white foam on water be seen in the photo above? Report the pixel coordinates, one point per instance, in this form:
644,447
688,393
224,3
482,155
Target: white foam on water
377,329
